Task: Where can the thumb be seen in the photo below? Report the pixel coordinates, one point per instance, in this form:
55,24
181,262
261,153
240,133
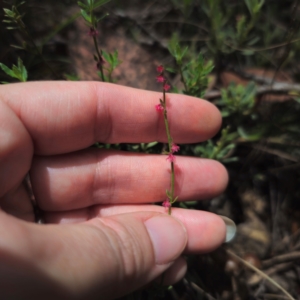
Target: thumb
106,257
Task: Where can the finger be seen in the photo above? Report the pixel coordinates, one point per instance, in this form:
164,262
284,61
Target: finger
206,231
15,152
95,176
18,203
175,273
90,260
66,116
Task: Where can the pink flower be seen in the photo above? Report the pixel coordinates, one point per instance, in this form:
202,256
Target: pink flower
93,32
171,157
166,87
160,69
175,148
159,107
166,203
160,78
100,63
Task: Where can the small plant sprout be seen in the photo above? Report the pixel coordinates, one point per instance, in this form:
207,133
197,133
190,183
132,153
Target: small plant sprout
87,12
162,108
13,18
17,71
101,57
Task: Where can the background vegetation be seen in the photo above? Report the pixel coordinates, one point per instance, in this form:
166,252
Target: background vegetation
241,55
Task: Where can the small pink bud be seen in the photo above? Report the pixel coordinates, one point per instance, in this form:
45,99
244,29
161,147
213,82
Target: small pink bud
175,148
159,107
160,78
99,64
171,157
93,32
166,203
166,87
160,69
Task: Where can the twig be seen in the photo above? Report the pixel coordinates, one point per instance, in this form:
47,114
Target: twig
277,88
262,274
249,76
290,34
276,152
288,257
272,296
198,289
174,294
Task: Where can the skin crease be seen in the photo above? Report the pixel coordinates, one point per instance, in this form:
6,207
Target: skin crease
97,203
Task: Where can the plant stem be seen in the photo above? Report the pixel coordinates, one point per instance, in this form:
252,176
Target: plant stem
172,186
182,77
100,59
166,122
259,272
170,141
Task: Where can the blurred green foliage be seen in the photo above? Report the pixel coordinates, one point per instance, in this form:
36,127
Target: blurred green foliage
17,71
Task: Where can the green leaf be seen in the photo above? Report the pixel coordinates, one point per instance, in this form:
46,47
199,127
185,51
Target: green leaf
240,26
183,53
253,41
86,16
8,12
21,71
82,5
71,77
297,100
7,70
250,136
175,200
225,151
171,70
248,52
249,4
24,74
182,205
229,160
18,72
257,7
101,18
191,203
168,194
23,46
115,58
106,56
150,145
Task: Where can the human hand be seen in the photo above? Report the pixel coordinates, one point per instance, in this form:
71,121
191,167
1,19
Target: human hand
102,236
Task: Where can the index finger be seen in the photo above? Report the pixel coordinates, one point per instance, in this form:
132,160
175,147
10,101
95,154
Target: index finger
67,116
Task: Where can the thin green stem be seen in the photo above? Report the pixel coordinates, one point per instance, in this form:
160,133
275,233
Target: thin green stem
172,186
166,122
100,59
182,77
170,141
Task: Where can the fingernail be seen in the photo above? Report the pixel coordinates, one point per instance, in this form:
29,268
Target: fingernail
230,229
168,237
